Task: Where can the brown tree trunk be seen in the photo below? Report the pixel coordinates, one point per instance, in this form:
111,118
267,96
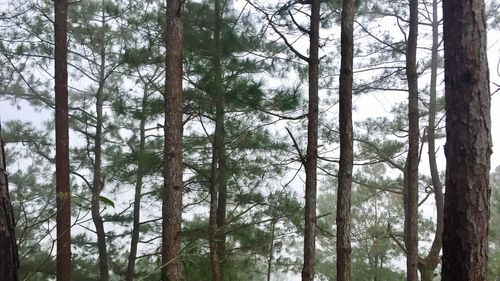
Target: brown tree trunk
308,269
98,183
129,276
468,141
63,217
428,265
172,191
346,142
217,180
9,262
411,180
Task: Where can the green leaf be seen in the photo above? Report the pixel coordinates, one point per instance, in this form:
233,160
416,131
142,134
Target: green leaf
106,201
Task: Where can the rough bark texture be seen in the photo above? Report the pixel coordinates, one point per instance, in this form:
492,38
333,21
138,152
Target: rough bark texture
97,183
63,218
428,265
136,225
217,180
411,175
308,269
468,141
172,191
346,141
9,262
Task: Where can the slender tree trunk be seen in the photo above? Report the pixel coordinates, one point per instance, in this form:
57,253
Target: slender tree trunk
221,211
63,217
429,263
218,180
308,269
271,251
136,225
98,183
468,141
215,184
346,141
9,261
172,191
411,181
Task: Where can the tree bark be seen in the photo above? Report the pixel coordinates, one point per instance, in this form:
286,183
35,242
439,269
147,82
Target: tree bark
308,269
468,141
411,181
63,217
9,261
172,191
346,142
428,265
98,183
136,225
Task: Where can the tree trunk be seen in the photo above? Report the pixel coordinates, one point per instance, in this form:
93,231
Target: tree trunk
411,181
215,184
98,183
172,191
138,191
271,250
9,261
428,265
346,143
468,141
217,179
221,212
63,217
312,147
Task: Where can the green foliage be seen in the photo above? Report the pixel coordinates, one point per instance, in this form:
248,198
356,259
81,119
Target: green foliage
117,50
373,210
107,201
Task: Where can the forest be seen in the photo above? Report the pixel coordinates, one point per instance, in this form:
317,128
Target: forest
249,140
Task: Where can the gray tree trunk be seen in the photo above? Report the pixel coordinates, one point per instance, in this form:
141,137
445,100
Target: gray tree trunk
308,269
346,142
411,173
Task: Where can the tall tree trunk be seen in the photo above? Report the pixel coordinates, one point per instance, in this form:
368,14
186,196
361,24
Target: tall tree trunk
308,270
138,191
9,261
98,183
411,174
63,217
428,265
217,179
346,142
468,141
172,190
